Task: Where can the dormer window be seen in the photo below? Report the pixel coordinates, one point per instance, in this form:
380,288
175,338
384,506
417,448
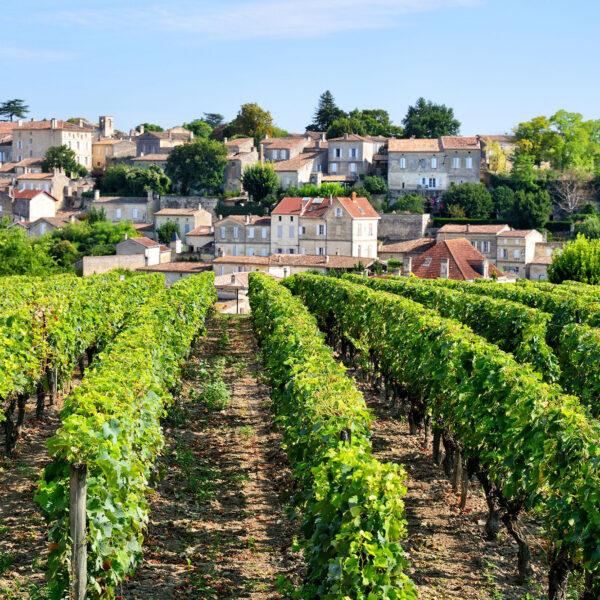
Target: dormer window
338,212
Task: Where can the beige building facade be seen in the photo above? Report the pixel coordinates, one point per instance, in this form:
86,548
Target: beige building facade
186,218
106,150
243,235
516,249
350,155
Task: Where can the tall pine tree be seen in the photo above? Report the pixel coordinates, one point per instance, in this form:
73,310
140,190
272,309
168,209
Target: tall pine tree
326,113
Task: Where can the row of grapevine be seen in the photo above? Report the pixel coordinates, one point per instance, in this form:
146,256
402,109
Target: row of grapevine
43,338
513,327
530,446
17,289
112,423
352,504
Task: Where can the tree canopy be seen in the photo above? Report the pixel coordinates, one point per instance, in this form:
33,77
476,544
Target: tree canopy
149,127
125,180
20,255
473,200
13,108
578,261
199,127
253,121
198,166
326,113
260,181
522,209
62,157
213,119
166,230
428,120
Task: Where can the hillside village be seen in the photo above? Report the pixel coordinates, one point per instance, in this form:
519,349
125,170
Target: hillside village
334,202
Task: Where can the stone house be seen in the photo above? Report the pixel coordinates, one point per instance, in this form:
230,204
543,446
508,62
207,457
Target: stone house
243,235
174,271
516,249
104,151
43,225
126,208
350,155
537,269
150,249
506,143
32,139
200,240
53,183
30,205
241,153
483,237
283,148
186,218
451,259
6,137
301,169
325,226
400,250
161,142
430,166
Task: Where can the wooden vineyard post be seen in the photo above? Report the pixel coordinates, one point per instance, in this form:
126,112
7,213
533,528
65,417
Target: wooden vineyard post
77,526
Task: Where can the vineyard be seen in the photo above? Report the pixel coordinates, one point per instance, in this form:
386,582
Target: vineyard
280,456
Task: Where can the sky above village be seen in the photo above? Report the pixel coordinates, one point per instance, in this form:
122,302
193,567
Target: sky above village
495,62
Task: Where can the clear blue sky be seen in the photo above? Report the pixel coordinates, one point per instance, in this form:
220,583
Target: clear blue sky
496,62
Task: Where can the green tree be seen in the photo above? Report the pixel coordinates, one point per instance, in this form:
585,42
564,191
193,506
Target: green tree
94,215
260,181
504,200
166,230
331,188
376,122
252,121
64,253
200,128
14,108
19,255
523,174
346,125
326,113
428,120
213,119
590,227
62,157
534,138
198,165
149,127
375,184
529,209
95,239
578,261
125,180
472,198
411,203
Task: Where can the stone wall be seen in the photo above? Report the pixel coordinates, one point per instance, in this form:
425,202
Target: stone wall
103,264
402,227
209,204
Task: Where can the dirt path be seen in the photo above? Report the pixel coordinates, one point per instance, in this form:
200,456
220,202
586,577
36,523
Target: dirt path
450,557
217,527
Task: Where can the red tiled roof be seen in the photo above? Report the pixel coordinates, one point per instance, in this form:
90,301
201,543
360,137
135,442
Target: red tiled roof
455,142
47,125
178,267
352,137
414,145
238,141
252,220
7,167
190,212
359,208
517,233
201,230
464,261
27,162
284,142
457,228
417,246
288,206
29,194
302,260
144,241
36,176
496,138
541,260
295,163
242,260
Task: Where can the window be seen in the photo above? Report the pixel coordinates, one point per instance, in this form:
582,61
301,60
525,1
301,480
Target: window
301,230
320,250
251,232
486,246
43,228
370,229
517,253
334,167
135,213
422,163
359,229
434,163
503,253
274,154
250,251
359,250
186,228
264,233
469,163
455,162
352,167
223,233
474,242
279,218
118,213
292,231
303,250
235,250
402,162
236,231
353,152
291,251
221,270
432,182
263,251
288,181
548,251
291,219
337,212
338,153
19,145
321,229
279,231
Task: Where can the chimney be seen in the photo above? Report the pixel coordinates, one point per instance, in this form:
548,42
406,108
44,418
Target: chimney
353,196
96,194
345,136
318,144
225,140
232,278
247,219
220,217
20,123
261,153
265,137
53,123
124,237
407,265
80,122
150,195
323,137
485,268
444,268
326,258
141,129
468,227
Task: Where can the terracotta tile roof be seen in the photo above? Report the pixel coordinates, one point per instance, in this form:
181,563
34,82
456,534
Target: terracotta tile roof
240,281
464,261
455,142
166,135
414,145
289,206
541,260
29,194
57,221
352,137
457,228
178,267
342,178
144,241
516,233
284,142
293,164
240,155
143,226
416,246
302,260
359,208
242,260
8,167
5,182
316,207
36,176
177,212
109,142
6,127
253,220
28,162
315,135
120,200
201,230
27,125
238,142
